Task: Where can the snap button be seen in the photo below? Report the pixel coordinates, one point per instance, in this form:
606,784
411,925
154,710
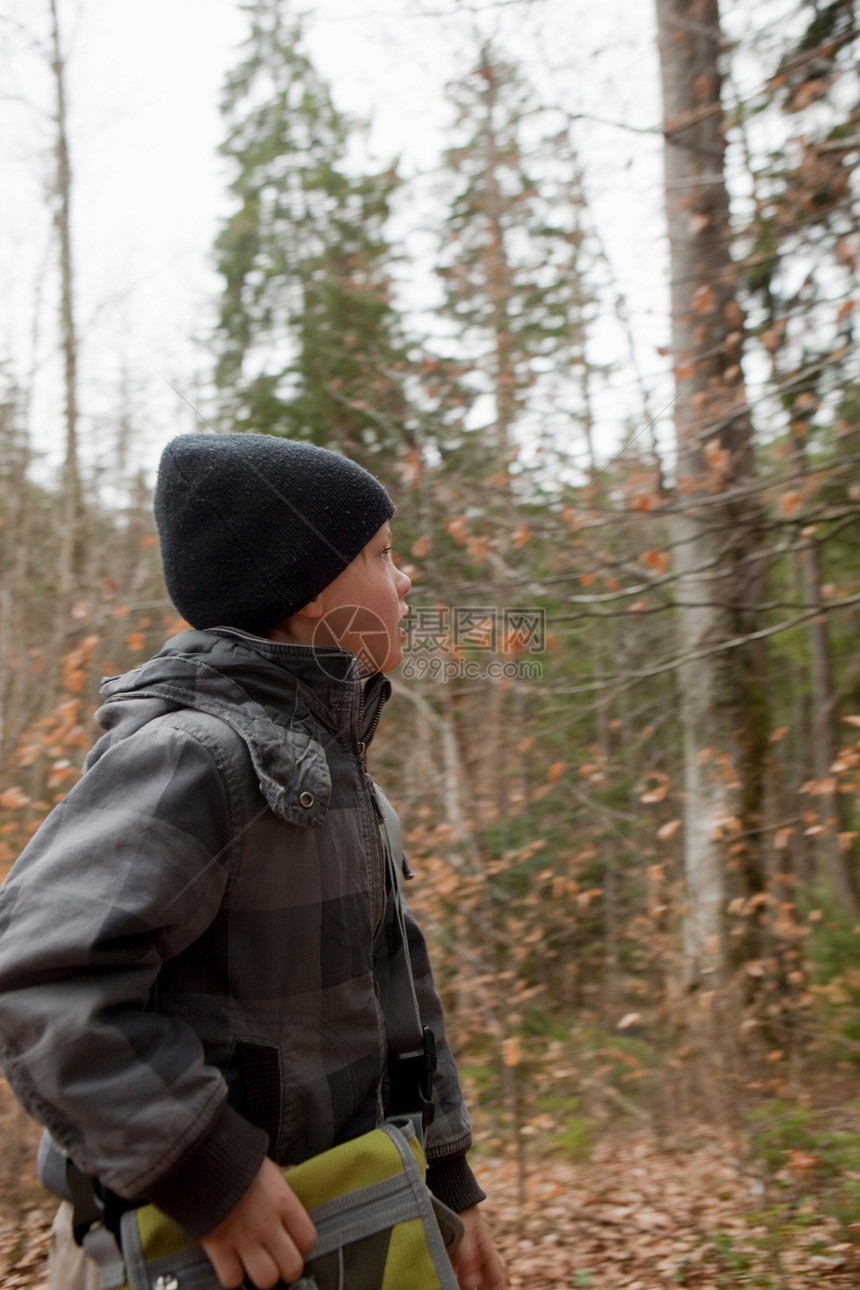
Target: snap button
306,799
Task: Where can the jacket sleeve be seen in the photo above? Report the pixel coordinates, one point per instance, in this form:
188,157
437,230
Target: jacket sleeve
450,1135
125,873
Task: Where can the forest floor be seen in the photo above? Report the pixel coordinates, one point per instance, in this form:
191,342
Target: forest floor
636,1214
642,1216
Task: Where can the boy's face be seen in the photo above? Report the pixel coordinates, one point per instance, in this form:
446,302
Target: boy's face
363,608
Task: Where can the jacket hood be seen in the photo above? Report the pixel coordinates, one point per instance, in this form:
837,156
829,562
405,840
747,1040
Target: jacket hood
287,703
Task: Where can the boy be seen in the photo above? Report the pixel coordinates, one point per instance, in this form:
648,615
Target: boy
194,947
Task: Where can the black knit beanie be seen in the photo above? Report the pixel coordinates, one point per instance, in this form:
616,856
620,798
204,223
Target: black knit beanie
253,526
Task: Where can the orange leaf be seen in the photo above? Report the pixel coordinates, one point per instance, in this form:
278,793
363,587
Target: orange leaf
800,1162
512,1051
458,528
585,898
656,560
704,300
644,501
13,798
716,457
655,794
479,549
410,468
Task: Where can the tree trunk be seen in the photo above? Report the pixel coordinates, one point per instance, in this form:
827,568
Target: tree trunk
14,461
70,556
722,707
499,282
822,735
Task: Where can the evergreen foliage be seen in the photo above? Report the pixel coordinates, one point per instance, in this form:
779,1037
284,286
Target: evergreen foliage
514,254
308,338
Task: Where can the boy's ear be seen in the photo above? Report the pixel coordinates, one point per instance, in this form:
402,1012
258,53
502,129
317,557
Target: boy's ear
313,609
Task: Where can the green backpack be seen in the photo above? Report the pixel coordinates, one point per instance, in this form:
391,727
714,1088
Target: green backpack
378,1227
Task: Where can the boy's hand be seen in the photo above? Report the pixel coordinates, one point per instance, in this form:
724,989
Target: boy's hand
476,1260
264,1237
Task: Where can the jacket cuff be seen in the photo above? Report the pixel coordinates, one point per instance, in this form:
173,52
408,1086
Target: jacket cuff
213,1175
451,1180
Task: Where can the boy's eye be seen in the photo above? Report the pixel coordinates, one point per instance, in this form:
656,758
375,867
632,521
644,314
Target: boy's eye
386,550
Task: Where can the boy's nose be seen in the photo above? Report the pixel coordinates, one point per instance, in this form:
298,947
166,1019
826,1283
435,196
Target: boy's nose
404,582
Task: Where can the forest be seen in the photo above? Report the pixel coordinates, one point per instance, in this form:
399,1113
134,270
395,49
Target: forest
625,740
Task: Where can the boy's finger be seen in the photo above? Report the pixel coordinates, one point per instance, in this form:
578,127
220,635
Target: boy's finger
478,1264
498,1277
262,1269
495,1276
468,1270
228,1268
288,1259
297,1223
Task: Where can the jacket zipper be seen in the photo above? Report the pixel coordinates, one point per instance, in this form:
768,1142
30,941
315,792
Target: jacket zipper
371,731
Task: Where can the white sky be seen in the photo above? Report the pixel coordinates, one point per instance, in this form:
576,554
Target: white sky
144,83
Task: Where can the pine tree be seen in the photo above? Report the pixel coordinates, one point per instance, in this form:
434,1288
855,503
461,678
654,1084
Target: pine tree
513,258
308,337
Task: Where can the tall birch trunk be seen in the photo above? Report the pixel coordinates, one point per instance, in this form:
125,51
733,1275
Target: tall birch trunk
72,535
722,710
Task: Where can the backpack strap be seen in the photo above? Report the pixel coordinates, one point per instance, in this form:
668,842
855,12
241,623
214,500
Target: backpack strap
412,1057
90,1231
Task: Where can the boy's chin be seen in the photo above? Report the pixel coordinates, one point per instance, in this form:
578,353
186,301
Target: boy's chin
390,663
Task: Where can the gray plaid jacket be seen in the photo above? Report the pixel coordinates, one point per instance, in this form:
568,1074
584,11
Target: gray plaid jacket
194,947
